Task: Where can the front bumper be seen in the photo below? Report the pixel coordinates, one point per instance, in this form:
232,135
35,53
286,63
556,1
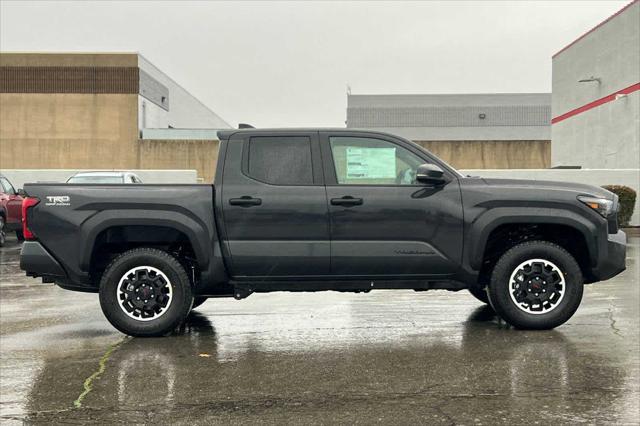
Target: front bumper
36,261
613,261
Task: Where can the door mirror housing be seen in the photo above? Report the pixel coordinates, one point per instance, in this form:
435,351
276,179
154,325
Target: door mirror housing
430,173
21,192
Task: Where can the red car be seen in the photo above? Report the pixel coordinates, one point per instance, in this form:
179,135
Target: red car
10,210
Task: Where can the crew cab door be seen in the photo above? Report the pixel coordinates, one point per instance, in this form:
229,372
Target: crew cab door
274,204
383,222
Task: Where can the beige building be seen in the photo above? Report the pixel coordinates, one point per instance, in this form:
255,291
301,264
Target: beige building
91,111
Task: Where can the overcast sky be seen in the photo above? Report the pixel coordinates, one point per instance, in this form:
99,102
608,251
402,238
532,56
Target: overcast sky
288,64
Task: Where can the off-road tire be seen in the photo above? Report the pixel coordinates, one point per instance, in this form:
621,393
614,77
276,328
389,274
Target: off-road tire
176,311
480,294
499,287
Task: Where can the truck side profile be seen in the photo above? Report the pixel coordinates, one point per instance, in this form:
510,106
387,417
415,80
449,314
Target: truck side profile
322,209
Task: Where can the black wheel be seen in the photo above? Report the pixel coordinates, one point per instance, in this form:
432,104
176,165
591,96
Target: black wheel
2,235
145,292
197,301
536,285
480,294
19,235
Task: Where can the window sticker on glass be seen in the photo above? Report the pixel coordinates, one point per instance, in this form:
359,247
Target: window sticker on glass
371,163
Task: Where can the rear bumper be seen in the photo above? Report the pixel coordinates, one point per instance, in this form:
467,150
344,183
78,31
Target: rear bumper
613,261
36,261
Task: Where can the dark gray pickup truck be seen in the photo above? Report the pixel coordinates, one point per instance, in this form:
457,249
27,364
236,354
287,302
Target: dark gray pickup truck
310,210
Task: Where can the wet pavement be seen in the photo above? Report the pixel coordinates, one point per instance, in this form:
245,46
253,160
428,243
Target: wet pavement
393,357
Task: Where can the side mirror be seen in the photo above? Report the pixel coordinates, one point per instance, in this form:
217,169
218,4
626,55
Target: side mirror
430,173
21,192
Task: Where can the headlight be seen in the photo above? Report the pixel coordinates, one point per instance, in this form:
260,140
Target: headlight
601,205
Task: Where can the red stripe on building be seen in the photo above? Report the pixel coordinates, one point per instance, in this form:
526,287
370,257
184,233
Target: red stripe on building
595,28
596,103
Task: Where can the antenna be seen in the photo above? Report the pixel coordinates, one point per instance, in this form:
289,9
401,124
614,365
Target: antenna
245,126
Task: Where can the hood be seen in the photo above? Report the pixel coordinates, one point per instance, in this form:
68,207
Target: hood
578,188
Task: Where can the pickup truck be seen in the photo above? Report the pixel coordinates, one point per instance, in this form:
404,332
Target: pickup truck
322,209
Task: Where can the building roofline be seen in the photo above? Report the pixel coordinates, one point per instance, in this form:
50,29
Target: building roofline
594,28
454,94
183,88
67,59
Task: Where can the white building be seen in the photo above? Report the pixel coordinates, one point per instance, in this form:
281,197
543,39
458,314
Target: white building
596,96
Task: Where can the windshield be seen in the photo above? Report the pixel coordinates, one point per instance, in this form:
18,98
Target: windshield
95,179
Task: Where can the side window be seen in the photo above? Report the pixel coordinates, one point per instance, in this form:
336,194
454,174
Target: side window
368,161
6,186
280,160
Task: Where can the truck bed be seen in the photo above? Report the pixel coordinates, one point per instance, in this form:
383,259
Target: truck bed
71,218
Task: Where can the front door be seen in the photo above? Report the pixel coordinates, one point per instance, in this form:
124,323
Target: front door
384,222
275,206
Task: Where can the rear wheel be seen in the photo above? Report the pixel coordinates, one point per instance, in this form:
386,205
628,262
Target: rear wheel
145,292
480,294
536,285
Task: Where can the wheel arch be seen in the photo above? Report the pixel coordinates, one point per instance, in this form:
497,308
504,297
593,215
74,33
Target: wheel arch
488,225
159,227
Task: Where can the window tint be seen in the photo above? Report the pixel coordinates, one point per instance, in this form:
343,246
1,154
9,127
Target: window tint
281,160
6,186
367,161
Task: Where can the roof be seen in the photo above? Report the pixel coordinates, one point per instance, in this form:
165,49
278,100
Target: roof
482,116
454,99
595,28
226,134
68,59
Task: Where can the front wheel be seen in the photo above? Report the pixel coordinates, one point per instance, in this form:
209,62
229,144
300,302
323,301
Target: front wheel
536,285
145,292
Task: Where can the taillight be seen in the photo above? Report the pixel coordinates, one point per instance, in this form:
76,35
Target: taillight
26,204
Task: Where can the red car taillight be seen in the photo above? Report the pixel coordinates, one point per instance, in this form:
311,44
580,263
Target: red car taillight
26,204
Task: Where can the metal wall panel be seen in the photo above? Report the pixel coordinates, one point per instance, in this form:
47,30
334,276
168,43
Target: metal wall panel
154,91
69,80
449,116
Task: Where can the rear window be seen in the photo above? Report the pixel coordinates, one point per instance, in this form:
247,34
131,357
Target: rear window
95,179
281,160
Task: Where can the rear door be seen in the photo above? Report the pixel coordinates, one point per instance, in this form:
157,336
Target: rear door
383,222
274,206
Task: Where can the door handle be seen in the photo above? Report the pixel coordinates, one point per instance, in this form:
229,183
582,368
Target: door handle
346,201
245,201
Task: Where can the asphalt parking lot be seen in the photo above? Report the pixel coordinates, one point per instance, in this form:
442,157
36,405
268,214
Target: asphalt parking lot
393,357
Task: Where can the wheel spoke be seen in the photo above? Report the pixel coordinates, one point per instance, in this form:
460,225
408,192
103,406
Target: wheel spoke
144,293
537,286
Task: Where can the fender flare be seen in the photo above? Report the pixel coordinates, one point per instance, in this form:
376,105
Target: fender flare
196,233
484,225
